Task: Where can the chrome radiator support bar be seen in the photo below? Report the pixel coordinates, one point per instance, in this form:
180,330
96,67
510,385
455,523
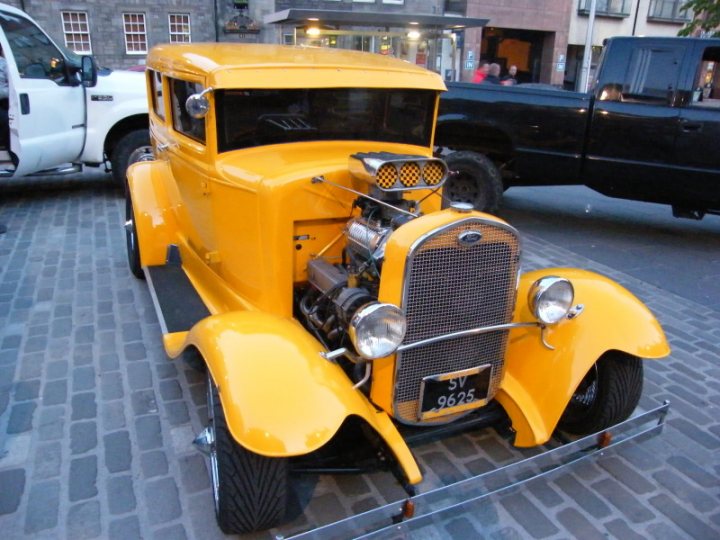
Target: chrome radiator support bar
429,507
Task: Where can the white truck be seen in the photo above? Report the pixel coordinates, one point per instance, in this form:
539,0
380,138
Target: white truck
63,111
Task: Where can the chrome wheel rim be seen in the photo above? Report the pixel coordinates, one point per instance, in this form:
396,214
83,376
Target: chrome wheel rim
214,475
142,153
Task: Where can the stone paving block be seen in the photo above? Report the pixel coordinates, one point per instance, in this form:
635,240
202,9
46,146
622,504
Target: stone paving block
55,392
111,386
118,454
109,362
12,484
143,402
42,507
83,478
170,390
83,378
176,413
120,495
113,415
27,390
462,528
139,375
582,496
194,473
83,406
21,417
149,433
544,493
625,474
154,464
578,525
696,434
83,437
127,528
83,521
683,519
529,516
683,490
165,500
174,532
613,492
48,459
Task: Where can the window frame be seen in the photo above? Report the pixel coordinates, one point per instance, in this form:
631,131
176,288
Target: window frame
143,33
174,34
158,93
178,114
79,31
676,16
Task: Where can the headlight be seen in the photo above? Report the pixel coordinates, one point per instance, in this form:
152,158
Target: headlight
377,330
551,298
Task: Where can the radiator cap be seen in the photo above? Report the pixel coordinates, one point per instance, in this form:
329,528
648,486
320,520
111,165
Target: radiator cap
461,207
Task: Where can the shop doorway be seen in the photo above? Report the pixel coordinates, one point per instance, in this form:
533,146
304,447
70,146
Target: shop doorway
522,48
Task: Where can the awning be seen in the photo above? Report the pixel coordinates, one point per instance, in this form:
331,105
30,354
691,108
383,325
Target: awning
331,17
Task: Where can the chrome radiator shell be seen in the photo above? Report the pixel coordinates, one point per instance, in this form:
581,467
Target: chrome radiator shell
451,286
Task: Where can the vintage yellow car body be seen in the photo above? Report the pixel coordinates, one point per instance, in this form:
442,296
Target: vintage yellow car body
246,223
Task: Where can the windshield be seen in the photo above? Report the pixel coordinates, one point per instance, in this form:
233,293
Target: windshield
249,118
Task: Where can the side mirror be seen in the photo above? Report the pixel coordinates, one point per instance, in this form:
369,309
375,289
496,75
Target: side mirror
197,105
88,71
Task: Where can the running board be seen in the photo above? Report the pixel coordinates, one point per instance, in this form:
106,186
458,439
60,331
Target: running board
177,303
402,517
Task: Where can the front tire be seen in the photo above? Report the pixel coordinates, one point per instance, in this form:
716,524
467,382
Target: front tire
250,490
474,179
131,240
131,148
608,394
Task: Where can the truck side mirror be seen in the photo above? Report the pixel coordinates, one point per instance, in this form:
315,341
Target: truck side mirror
88,71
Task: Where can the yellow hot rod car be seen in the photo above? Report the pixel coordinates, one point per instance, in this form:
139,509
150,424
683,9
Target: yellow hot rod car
294,234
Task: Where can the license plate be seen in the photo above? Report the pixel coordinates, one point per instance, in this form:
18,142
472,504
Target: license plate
455,392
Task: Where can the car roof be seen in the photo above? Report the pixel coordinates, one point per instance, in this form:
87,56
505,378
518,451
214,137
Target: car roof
224,65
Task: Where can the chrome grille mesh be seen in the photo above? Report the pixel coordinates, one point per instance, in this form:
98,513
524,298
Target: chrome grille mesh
449,288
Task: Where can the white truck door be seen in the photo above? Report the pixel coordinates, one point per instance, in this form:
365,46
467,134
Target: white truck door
47,102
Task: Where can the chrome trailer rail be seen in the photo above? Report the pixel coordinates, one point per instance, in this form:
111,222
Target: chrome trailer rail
423,509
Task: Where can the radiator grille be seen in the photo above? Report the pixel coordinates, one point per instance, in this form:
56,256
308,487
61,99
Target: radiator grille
450,287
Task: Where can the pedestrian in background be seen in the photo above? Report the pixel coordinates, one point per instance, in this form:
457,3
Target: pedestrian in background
493,76
481,71
509,79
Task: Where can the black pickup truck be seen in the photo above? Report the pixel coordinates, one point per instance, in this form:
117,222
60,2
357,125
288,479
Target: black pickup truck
649,130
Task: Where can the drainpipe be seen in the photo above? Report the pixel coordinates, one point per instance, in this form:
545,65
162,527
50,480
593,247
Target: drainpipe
587,53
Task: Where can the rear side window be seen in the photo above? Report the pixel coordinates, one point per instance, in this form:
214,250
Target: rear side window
182,121
157,93
652,75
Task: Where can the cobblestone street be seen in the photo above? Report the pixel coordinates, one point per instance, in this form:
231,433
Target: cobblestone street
96,423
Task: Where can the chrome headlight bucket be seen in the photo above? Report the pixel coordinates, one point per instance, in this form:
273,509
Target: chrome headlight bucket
550,299
377,330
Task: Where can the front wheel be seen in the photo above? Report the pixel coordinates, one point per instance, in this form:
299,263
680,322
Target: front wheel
250,490
608,394
131,148
473,179
131,240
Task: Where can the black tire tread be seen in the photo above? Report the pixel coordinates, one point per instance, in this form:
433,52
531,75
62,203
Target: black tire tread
133,253
620,383
253,488
486,174
121,153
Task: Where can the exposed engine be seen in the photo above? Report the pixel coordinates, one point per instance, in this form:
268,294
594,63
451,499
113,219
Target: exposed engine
338,292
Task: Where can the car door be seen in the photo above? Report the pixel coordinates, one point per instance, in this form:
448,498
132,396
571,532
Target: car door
696,151
46,102
634,121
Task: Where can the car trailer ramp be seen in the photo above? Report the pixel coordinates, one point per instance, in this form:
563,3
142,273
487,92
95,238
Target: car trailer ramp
405,516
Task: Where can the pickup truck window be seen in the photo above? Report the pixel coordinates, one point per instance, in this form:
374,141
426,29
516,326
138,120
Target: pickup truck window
249,118
35,55
182,121
706,92
157,93
651,75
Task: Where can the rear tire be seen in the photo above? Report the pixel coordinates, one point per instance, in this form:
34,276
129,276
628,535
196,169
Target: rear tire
250,490
131,240
474,179
608,394
131,148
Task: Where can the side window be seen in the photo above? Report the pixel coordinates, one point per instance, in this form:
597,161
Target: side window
651,74
706,92
157,92
182,121
35,55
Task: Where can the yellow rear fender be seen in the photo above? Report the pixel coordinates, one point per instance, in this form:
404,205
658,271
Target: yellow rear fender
280,397
539,382
154,220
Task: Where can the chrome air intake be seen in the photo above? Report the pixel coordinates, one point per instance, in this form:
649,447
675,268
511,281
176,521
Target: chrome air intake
398,172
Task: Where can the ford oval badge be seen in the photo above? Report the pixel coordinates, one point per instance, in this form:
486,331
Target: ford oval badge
469,238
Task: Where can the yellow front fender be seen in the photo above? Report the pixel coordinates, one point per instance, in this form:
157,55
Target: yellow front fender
539,382
280,397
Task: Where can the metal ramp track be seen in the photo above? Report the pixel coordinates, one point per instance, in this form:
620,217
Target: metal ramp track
434,505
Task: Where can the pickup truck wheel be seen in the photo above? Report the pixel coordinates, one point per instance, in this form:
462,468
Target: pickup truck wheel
608,394
131,148
131,240
473,179
250,490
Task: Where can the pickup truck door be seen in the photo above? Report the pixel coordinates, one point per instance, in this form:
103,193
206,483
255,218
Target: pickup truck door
631,143
46,103
698,139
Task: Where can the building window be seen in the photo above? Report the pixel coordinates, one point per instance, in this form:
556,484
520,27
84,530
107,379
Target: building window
179,27
668,10
76,30
393,1
606,8
135,33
